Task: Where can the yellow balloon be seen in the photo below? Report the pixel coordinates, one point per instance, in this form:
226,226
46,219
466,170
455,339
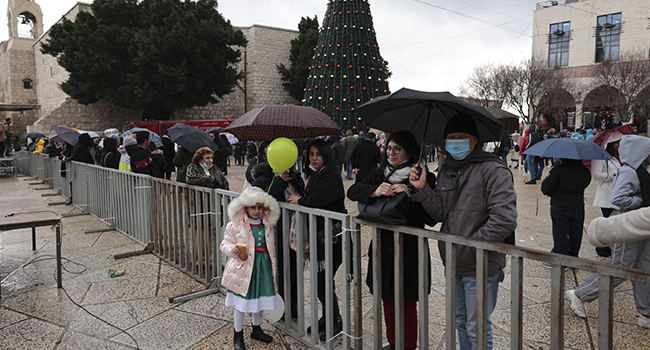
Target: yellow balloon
282,154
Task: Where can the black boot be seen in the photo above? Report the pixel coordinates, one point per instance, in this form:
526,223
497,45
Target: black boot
258,334
338,328
321,326
239,340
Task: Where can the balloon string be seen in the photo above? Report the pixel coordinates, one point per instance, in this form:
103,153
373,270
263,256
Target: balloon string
271,185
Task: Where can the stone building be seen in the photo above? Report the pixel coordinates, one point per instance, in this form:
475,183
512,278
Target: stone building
577,36
31,77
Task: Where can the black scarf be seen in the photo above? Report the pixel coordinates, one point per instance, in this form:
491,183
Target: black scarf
644,179
478,156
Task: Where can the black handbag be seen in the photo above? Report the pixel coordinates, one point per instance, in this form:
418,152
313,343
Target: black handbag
391,210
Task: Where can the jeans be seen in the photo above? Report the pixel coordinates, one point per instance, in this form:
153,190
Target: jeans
567,229
348,165
504,156
466,309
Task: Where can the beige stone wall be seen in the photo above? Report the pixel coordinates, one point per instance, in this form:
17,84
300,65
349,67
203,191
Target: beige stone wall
95,117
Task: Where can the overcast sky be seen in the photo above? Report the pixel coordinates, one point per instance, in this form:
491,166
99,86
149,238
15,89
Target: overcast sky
429,44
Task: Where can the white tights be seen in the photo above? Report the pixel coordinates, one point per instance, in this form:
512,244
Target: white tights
239,319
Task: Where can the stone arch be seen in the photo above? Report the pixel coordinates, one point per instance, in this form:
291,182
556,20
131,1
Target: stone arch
599,106
556,107
26,22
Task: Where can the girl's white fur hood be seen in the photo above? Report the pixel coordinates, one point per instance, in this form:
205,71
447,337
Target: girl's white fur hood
252,196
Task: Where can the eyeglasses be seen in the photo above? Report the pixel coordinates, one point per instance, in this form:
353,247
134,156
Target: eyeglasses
394,150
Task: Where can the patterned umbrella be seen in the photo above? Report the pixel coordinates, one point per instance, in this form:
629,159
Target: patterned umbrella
270,122
609,135
153,137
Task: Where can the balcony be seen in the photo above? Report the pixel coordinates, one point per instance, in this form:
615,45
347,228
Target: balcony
545,4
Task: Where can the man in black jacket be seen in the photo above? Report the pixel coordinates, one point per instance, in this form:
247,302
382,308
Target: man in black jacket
81,151
566,185
139,153
169,153
221,154
366,156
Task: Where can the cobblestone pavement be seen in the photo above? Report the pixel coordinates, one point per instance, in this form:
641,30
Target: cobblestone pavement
34,314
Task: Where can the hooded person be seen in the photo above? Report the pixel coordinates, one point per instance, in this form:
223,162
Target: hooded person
81,151
474,197
258,159
631,191
250,273
110,156
125,159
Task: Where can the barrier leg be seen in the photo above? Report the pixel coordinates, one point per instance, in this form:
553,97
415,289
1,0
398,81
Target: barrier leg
148,249
212,288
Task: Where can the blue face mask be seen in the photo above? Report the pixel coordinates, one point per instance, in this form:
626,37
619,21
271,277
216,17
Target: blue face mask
459,149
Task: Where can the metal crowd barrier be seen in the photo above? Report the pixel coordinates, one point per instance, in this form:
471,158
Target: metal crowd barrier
183,224
517,255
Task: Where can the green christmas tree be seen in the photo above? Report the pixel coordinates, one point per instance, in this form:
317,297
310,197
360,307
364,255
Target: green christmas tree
347,69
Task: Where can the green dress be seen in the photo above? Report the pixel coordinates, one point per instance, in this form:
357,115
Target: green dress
261,292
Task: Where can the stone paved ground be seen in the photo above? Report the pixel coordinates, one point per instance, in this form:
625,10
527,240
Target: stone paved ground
34,314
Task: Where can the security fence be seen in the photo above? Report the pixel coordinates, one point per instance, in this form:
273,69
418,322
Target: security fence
183,225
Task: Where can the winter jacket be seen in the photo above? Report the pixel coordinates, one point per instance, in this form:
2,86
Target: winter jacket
169,152
325,190
237,274
566,184
110,156
221,154
40,144
258,159
263,175
182,160
197,176
366,157
125,160
338,151
349,142
534,136
362,191
590,134
140,159
628,227
524,142
604,172
158,164
626,191
81,151
478,201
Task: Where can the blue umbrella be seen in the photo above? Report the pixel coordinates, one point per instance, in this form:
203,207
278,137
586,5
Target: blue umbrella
567,148
155,138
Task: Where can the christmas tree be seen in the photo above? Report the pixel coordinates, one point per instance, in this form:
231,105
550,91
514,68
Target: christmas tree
347,69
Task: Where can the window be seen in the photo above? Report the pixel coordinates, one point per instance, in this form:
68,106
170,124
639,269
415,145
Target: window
558,44
608,37
27,84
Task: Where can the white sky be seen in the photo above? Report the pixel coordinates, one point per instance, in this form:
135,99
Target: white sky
429,44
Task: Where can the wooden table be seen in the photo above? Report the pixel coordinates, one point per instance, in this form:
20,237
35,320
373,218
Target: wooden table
18,213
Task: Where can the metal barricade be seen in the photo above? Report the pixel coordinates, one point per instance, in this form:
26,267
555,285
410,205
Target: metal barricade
23,162
517,255
60,177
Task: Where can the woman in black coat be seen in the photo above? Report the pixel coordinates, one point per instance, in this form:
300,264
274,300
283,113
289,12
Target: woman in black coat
402,152
324,190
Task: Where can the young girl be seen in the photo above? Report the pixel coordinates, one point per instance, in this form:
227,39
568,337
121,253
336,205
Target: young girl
249,242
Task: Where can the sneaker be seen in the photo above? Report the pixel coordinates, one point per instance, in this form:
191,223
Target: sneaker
643,321
531,182
550,266
578,306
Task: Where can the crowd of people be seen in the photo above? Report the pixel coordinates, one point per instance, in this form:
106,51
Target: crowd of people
470,193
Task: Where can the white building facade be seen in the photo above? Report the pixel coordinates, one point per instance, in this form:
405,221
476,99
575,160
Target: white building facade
578,35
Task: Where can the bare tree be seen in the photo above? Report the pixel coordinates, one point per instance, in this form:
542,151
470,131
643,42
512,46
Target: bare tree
623,82
520,86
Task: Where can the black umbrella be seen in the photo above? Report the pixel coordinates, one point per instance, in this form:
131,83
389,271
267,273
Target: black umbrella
425,114
32,135
67,133
191,138
216,130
